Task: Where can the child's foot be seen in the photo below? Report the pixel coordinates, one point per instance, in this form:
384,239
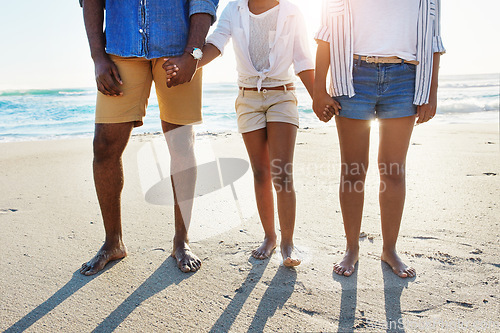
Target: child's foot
398,266
289,254
264,251
346,266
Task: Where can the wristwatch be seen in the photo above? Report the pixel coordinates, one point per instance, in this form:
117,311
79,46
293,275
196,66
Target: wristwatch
194,52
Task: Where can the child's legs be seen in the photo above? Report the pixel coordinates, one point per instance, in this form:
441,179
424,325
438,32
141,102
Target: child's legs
354,139
258,152
281,141
394,141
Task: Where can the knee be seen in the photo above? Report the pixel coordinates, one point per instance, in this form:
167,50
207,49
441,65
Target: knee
282,176
354,172
105,150
261,174
392,173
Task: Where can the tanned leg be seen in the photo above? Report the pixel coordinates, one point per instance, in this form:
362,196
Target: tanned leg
281,141
354,139
110,141
180,140
394,141
258,153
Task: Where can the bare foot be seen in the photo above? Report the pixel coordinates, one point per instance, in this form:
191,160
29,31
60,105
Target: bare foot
187,261
346,266
265,249
106,254
398,266
289,254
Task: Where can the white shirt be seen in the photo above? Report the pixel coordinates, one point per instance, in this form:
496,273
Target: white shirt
336,29
289,45
385,28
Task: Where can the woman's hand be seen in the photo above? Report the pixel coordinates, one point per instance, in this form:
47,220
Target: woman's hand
427,111
170,69
325,107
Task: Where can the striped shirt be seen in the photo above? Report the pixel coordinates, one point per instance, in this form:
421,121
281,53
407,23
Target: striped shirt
336,29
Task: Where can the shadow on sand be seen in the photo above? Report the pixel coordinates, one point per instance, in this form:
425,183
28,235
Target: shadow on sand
393,288
72,286
164,276
227,318
279,291
348,300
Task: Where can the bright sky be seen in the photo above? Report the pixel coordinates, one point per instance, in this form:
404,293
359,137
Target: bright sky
44,43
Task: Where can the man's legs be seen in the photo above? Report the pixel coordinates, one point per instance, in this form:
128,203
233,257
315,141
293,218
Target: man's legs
180,141
110,141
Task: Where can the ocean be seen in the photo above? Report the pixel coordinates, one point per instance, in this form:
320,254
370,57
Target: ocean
27,115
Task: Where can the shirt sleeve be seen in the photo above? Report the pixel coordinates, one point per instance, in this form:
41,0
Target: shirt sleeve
222,34
302,60
437,43
323,33
204,7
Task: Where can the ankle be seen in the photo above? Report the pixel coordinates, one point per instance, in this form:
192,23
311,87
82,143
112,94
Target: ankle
114,240
180,240
271,237
389,249
352,247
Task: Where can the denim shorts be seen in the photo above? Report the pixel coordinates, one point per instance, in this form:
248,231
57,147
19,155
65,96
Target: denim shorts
383,91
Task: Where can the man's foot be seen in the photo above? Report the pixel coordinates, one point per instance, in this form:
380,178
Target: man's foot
265,249
187,261
106,254
289,254
398,266
346,266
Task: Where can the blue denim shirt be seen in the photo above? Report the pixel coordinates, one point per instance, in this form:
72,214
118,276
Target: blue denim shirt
151,28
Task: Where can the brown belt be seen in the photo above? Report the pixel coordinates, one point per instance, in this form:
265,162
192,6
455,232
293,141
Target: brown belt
384,60
289,86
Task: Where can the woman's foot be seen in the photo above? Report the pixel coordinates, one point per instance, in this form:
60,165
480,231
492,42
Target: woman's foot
289,254
346,266
265,249
398,266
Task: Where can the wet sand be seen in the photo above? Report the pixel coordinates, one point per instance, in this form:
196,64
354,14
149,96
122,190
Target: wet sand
50,222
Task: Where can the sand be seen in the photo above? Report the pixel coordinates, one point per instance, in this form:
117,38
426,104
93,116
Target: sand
50,224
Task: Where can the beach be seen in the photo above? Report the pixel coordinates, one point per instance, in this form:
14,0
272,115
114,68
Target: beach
51,224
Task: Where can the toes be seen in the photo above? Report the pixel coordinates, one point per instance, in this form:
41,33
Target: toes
402,274
349,271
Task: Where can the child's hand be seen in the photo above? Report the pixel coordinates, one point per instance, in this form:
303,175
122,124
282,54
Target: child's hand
325,107
170,69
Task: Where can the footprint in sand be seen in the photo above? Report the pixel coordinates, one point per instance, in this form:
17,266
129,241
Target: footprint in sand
7,211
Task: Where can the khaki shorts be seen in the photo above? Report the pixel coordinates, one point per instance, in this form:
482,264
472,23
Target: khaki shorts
255,109
180,105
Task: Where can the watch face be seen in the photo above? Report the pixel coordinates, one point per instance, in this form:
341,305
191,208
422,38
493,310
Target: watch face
197,54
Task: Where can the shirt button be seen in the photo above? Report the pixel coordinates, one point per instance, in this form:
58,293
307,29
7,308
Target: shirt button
141,31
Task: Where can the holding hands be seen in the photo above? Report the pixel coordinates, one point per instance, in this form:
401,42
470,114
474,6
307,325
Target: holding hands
180,69
325,107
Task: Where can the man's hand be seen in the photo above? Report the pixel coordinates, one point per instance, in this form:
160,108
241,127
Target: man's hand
186,68
107,77
427,111
325,107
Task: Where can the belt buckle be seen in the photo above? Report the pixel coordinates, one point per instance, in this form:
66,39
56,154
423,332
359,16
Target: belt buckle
371,59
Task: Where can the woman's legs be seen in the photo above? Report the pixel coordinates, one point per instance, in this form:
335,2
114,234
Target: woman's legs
281,140
394,141
258,152
354,139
